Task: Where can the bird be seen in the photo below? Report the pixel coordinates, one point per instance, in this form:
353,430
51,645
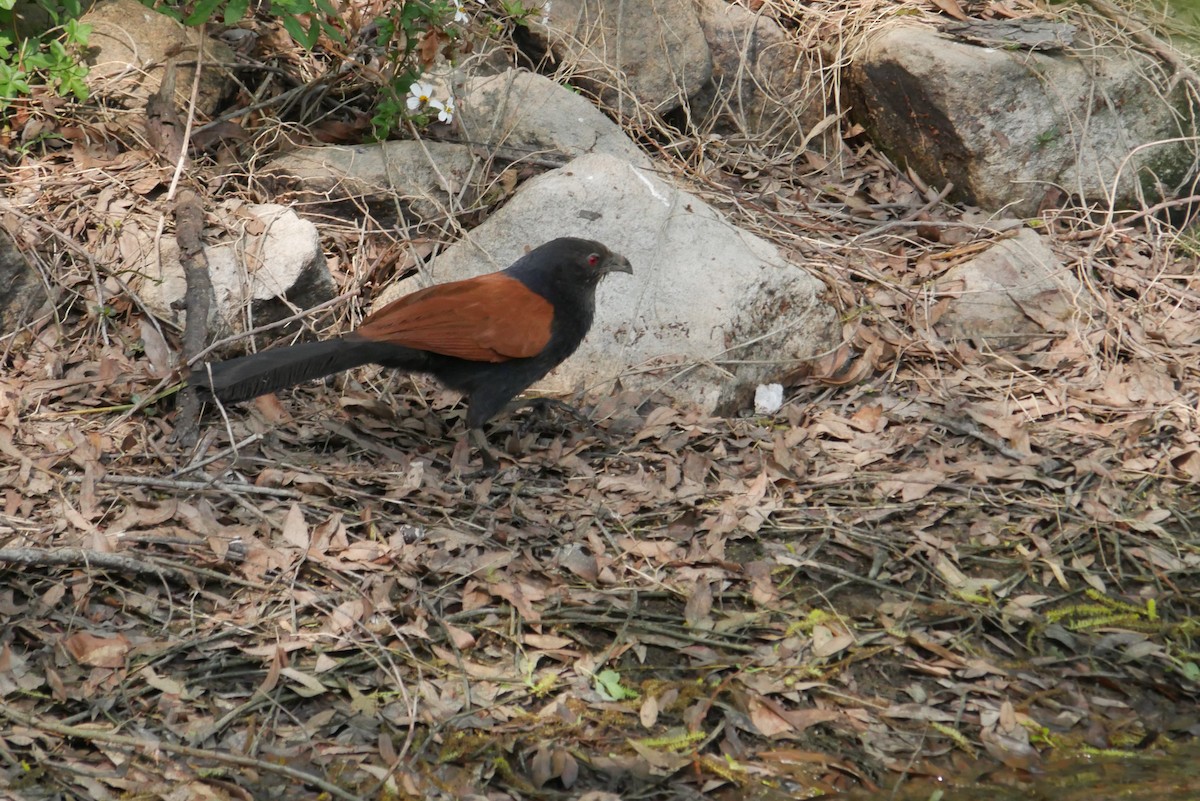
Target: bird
489,337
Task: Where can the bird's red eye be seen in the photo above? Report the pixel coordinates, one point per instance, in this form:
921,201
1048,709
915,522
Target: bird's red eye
593,259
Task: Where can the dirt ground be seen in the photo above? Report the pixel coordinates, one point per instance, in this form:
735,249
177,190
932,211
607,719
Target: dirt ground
936,560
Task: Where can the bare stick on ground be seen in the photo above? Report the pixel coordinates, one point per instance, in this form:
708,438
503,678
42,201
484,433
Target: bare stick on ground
169,135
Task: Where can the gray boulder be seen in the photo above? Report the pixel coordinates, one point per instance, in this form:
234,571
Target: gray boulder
710,312
1015,291
130,45
764,85
1006,126
522,115
411,182
649,53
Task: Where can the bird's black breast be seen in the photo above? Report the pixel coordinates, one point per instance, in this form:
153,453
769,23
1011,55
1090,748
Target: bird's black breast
572,295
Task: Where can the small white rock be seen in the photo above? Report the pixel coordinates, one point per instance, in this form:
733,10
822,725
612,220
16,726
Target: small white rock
768,398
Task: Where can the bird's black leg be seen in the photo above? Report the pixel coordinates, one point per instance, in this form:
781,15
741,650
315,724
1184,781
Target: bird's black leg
491,465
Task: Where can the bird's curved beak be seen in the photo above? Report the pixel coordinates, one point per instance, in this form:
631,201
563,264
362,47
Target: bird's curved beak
616,263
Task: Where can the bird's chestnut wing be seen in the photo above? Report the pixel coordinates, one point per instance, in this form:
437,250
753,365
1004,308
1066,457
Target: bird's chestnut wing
492,318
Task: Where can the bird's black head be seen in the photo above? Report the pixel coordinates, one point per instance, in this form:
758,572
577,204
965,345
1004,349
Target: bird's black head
595,261
569,259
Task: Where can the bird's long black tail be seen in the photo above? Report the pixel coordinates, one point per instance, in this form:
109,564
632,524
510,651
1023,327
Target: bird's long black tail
248,377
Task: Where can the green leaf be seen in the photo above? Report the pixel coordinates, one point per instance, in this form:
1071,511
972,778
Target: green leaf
294,28
78,32
202,13
168,11
39,61
314,33
332,32
12,82
71,82
236,11
608,683
305,37
282,8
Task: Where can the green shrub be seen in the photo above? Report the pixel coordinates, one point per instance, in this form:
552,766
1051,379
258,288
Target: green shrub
41,42
409,35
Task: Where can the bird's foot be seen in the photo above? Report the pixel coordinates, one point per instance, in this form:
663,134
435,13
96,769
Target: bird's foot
491,464
540,407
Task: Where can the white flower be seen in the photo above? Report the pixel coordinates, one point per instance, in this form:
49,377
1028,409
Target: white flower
445,110
460,14
419,94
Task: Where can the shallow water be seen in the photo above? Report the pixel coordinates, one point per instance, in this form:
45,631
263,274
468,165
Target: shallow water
1141,777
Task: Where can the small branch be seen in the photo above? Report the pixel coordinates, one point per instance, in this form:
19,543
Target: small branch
1163,206
80,557
169,135
221,454
191,119
908,219
198,300
95,735
194,486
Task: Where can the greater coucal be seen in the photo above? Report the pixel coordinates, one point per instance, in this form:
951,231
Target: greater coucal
488,337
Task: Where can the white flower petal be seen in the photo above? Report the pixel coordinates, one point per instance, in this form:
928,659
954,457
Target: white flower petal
420,91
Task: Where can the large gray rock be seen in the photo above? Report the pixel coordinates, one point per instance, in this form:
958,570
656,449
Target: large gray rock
710,311
396,181
647,53
519,114
22,292
1016,290
1007,125
764,84
129,46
